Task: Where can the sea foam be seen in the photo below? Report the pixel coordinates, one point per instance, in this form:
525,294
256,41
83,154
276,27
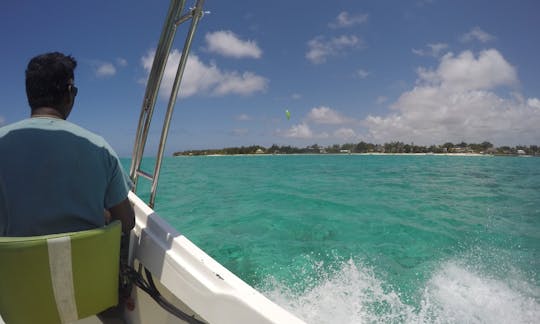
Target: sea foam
453,294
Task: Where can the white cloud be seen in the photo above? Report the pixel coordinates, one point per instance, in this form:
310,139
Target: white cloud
419,52
243,84
477,34
296,96
121,62
466,71
243,117
301,131
321,48
325,115
321,123
362,74
201,78
105,69
298,131
433,50
344,19
345,134
228,44
456,102
380,100
534,102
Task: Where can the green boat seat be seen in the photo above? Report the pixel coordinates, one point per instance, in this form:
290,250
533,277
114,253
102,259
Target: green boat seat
59,278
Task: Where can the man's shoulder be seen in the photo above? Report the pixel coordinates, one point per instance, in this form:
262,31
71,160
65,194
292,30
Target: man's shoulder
13,126
92,137
81,131
54,124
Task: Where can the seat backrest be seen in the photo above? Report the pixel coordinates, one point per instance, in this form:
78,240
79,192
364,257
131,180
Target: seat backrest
59,278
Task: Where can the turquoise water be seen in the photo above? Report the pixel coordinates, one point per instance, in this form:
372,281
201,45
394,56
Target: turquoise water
368,239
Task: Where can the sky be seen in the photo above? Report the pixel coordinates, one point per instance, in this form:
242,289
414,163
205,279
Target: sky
416,71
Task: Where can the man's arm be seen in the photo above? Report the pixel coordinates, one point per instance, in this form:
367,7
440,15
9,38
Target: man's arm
123,211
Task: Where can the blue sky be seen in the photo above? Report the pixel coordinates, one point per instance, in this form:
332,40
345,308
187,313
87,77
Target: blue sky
422,71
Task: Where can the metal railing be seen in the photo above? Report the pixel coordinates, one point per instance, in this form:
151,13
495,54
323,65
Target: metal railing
173,20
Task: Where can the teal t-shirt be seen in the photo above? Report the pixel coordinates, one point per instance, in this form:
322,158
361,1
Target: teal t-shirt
56,177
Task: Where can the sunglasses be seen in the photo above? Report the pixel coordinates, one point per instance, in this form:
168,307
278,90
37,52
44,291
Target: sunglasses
73,89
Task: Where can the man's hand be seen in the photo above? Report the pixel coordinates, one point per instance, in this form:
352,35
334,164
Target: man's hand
123,212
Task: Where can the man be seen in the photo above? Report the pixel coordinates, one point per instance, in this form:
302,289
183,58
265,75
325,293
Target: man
55,176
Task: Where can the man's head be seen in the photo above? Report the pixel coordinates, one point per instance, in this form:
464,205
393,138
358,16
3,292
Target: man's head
49,82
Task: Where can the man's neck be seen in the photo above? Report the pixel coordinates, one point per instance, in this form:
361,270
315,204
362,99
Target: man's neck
47,112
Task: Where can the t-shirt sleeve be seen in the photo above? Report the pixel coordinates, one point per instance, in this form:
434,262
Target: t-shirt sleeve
119,183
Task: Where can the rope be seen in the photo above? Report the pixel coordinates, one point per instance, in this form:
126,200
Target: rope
150,288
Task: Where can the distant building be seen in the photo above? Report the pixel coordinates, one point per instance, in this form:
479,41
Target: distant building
259,151
520,152
462,149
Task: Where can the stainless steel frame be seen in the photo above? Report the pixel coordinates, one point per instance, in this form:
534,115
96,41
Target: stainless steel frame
173,20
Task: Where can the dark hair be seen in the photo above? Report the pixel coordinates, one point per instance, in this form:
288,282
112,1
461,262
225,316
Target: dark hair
47,78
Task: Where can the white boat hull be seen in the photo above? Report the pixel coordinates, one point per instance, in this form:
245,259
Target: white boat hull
191,279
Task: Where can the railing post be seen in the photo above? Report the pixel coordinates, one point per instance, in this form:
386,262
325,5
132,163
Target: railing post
154,81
